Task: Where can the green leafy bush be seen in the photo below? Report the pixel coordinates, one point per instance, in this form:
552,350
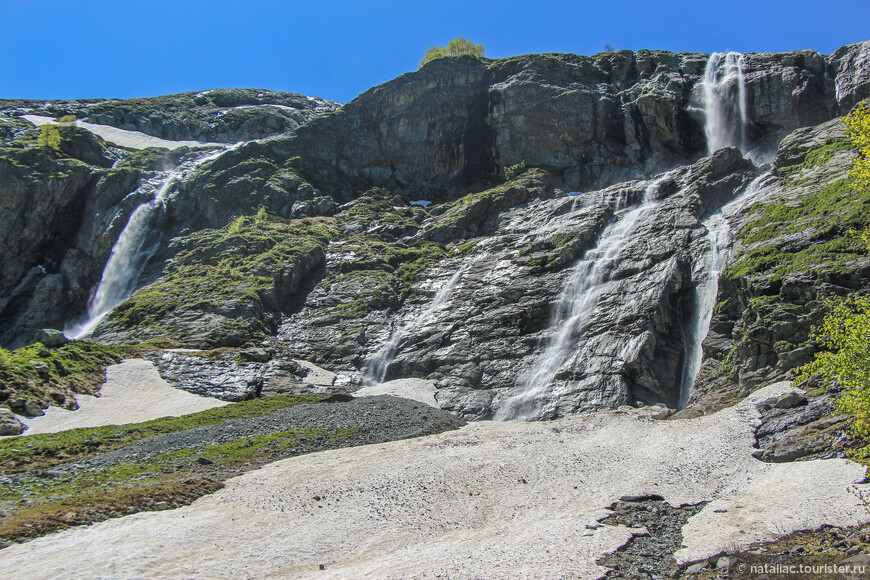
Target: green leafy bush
858,129
514,171
456,47
49,137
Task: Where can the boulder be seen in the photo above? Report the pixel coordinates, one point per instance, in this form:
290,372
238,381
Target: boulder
789,400
50,337
9,424
25,407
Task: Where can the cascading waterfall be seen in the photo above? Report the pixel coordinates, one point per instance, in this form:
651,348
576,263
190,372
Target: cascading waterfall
134,247
725,102
376,368
719,240
577,301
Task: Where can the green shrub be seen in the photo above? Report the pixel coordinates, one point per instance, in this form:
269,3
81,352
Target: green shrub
49,137
456,47
514,171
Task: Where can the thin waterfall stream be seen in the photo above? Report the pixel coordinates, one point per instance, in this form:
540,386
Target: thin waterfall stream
376,368
134,247
725,114
719,239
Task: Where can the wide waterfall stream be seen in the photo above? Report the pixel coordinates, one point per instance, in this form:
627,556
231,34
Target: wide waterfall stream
576,302
135,245
725,108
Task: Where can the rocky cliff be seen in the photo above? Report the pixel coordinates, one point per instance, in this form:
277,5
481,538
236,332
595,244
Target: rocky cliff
592,121
584,281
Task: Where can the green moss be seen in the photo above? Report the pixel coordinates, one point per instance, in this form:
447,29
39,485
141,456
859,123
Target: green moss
378,205
813,158
830,213
376,290
221,267
41,505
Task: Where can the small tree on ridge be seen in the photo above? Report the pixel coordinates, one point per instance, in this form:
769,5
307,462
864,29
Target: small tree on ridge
456,47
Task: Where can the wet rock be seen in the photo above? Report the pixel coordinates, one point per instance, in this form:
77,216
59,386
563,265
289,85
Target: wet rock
486,337
647,554
762,328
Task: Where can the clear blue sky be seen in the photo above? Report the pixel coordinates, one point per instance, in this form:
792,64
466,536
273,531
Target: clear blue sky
336,49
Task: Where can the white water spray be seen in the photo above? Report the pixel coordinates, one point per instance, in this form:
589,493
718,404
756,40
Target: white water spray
576,303
725,102
719,239
134,247
376,368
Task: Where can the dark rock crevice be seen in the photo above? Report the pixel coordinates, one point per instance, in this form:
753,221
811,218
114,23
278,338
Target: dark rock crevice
649,555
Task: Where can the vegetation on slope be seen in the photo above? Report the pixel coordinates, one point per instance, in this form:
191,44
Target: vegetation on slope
791,255
51,376
239,273
844,364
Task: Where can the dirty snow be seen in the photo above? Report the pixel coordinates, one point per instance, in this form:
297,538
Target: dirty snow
493,499
133,393
122,137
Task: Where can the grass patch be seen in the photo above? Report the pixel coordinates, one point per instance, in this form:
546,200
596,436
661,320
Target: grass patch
99,505
813,158
830,213
170,480
38,501
378,205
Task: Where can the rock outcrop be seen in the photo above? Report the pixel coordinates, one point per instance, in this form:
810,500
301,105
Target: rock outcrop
382,238
791,253
456,124
220,115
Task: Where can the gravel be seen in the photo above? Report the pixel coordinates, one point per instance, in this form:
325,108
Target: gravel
376,420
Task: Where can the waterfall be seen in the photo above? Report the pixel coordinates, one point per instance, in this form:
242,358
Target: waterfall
376,368
725,102
134,247
576,302
719,244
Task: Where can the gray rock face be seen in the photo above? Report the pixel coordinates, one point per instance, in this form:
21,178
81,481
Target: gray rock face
49,337
486,339
457,123
227,378
852,79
